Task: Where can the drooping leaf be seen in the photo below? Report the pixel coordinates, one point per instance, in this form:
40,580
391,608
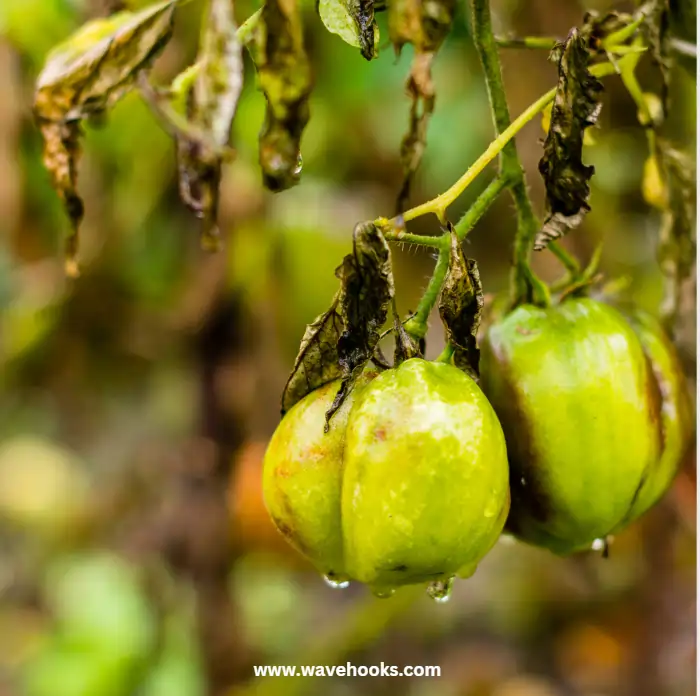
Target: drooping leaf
656,30
84,77
317,362
461,303
576,107
284,76
341,341
424,24
367,287
353,21
596,27
406,347
677,237
209,93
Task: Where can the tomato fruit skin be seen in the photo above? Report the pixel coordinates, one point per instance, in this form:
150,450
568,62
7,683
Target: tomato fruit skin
302,477
425,487
677,413
581,412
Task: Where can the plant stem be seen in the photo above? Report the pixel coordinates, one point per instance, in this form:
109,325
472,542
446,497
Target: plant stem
568,261
528,224
479,207
544,42
400,235
417,325
547,43
446,355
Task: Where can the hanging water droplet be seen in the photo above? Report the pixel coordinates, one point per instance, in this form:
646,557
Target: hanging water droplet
598,545
337,583
383,592
441,590
300,165
603,545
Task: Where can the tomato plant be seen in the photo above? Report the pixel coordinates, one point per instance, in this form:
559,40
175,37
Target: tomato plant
395,472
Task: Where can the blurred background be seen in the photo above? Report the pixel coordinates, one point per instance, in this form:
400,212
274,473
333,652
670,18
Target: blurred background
136,556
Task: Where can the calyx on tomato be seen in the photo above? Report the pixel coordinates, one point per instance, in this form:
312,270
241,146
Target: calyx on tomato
409,486
594,426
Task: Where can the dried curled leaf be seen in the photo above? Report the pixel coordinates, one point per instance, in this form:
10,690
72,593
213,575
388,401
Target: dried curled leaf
353,21
340,342
656,29
460,305
677,238
423,24
85,76
406,347
208,92
317,362
284,76
597,27
367,287
576,107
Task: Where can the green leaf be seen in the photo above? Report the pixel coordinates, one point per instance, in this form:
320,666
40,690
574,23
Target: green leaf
284,76
424,24
461,303
336,17
86,76
210,94
576,107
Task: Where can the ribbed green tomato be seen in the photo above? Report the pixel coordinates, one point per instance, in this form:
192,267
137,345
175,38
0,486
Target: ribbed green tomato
409,486
584,420
302,477
425,488
677,417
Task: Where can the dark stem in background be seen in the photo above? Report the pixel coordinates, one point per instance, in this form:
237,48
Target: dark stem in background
523,282
200,547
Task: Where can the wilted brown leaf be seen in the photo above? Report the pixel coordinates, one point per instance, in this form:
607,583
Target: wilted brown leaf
284,76
86,76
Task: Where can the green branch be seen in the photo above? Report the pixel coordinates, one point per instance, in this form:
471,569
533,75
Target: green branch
523,283
417,325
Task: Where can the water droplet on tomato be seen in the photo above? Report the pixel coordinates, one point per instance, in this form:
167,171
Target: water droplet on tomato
337,583
440,590
383,592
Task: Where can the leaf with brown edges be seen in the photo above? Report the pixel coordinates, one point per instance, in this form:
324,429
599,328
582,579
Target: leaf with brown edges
210,99
317,362
461,303
424,24
576,107
340,342
85,76
284,76
367,287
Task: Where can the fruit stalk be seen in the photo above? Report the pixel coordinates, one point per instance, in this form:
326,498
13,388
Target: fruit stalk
523,282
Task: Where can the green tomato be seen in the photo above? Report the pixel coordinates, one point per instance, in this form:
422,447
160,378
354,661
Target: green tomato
302,477
677,413
582,415
425,487
410,485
